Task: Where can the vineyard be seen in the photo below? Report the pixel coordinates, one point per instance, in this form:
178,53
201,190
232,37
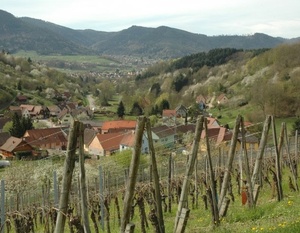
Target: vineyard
164,191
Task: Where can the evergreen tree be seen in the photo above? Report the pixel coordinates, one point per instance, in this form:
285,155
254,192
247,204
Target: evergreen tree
20,125
121,110
136,109
26,124
19,86
16,129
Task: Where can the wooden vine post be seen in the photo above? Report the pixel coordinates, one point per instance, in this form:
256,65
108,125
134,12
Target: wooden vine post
2,204
69,165
158,202
247,168
215,210
296,151
259,157
83,189
278,167
182,205
133,172
291,162
228,169
169,184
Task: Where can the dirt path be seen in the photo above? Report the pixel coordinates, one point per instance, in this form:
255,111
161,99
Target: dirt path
91,100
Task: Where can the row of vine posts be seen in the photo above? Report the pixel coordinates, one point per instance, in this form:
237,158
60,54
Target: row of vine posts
218,203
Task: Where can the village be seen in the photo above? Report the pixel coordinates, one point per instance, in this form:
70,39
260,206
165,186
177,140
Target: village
103,138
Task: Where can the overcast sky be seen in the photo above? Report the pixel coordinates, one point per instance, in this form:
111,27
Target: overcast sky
210,17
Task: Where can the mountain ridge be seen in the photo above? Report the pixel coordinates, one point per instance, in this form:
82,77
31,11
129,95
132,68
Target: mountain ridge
46,38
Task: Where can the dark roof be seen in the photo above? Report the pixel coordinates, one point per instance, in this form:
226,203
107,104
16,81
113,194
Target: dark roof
89,135
3,137
163,131
13,144
186,128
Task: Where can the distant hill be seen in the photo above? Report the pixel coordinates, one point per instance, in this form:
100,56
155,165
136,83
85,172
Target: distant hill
163,42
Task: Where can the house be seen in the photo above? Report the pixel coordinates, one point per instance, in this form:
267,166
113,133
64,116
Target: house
95,125
15,147
27,107
128,142
201,99
219,135
88,136
105,144
178,112
65,117
212,122
222,99
54,110
22,112
169,113
35,111
251,141
82,113
163,135
48,138
181,111
118,126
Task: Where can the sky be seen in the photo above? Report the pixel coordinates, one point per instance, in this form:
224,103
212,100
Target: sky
211,17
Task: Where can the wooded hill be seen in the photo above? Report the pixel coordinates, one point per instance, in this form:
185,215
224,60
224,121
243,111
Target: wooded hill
258,82
163,42
21,76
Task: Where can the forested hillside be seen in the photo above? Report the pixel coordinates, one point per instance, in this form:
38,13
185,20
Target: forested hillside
163,42
22,76
265,80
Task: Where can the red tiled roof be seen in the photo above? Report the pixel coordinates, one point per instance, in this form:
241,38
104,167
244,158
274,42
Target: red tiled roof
169,113
38,137
219,134
121,124
212,122
110,141
200,98
128,139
